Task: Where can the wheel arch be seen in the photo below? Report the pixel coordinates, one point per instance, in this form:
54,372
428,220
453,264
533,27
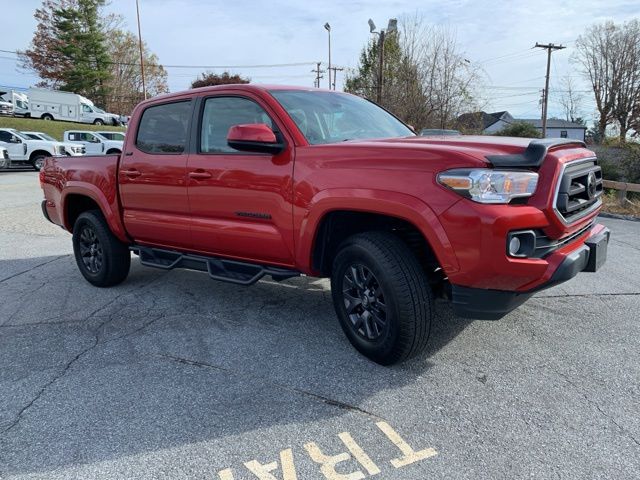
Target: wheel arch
357,211
79,199
36,153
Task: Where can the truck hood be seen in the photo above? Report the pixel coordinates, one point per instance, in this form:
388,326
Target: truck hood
469,150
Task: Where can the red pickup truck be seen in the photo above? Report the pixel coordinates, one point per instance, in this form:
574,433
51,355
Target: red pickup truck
242,181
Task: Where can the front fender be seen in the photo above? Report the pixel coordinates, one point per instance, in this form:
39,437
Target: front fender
394,204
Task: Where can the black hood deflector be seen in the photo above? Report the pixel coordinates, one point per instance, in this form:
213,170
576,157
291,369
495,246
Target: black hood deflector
534,154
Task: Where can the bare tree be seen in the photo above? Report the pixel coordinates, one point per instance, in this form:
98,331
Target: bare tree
610,58
427,81
627,91
596,53
570,100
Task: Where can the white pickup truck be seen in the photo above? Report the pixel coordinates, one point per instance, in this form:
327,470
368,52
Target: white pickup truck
73,149
95,143
23,149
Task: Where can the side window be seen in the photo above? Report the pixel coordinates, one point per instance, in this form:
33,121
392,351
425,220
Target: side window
563,134
73,136
5,136
220,114
86,108
163,128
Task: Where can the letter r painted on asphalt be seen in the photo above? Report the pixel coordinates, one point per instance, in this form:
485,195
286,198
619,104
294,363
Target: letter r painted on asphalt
409,455
328,463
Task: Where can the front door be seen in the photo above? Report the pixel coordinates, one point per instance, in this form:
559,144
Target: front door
92,144
240,202
152,178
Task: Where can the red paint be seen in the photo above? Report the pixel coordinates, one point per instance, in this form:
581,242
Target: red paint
197,201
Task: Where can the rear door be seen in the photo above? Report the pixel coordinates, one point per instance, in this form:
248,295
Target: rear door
152,177
240,202
13,144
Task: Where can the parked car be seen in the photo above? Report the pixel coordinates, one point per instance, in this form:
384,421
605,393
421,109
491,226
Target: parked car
71,148
109,135
6,108
93,142
67,106
393,219
25,150
425,132
16,102
4,158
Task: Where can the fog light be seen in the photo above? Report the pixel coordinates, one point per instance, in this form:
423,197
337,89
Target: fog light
521,244
514,246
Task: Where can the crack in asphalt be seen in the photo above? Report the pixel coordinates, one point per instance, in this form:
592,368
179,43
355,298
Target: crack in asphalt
326,400
33,268
85,351
578,389
588,295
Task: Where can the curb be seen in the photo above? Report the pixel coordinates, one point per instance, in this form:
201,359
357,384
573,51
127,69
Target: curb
617,216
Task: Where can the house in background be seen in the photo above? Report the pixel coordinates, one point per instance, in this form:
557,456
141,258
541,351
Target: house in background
491,123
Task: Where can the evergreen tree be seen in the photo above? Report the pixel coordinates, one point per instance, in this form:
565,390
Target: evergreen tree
82,43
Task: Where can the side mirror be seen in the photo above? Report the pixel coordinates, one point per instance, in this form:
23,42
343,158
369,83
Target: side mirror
15,140
254,137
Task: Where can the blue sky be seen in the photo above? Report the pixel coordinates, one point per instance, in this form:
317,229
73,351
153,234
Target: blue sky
496,35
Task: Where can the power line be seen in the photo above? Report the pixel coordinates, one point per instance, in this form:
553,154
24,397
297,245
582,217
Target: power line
272,65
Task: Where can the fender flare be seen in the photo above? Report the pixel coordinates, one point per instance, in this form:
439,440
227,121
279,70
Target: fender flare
400,205
109,209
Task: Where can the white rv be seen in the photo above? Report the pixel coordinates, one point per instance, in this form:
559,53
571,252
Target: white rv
14,103
70,107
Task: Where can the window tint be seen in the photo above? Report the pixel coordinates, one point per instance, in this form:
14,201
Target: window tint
5,136
163,128
222,113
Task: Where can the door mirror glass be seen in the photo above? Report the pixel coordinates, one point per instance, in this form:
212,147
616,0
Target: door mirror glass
15,139
254,137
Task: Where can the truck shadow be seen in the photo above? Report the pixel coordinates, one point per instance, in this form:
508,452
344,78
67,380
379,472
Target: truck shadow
171,359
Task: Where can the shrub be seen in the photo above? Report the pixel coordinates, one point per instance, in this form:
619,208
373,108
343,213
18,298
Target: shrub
520,129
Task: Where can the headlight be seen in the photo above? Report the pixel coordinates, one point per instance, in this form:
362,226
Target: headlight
484,185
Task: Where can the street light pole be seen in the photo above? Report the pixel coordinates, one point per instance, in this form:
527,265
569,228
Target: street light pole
327,27
380,68
144,85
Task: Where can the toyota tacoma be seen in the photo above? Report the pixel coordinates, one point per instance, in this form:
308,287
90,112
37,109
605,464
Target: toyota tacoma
243,181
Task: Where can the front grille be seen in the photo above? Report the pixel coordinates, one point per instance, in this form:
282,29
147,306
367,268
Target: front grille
579,190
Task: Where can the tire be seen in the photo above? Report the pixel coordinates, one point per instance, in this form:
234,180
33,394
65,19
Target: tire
102,259
47,117
398,297
37,162
97,121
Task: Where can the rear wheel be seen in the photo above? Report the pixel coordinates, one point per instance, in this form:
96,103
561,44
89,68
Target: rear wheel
382,297
47,116
102,259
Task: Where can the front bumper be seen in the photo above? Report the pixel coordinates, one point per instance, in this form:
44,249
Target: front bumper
488,304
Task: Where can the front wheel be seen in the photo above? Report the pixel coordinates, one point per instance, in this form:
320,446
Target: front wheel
37,162
102,259
382,297
97,121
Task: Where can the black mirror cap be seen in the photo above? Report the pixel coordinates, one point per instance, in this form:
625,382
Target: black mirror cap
257,147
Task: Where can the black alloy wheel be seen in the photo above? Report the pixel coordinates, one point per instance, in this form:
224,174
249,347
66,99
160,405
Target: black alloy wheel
364,302
91,250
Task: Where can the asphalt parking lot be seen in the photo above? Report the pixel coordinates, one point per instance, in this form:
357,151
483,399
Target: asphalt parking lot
171,375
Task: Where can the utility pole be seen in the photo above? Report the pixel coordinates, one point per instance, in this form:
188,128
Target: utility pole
144,86
380,68
549,47
317,71
335,70
327,27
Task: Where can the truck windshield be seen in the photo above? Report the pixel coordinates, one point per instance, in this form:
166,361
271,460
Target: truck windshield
331,117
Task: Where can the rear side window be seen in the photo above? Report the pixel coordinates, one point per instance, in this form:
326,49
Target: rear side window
163,128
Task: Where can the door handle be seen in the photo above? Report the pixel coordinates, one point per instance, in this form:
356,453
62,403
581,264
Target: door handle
199,175
133,173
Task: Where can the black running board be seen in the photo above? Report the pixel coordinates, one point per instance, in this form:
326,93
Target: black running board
232,271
